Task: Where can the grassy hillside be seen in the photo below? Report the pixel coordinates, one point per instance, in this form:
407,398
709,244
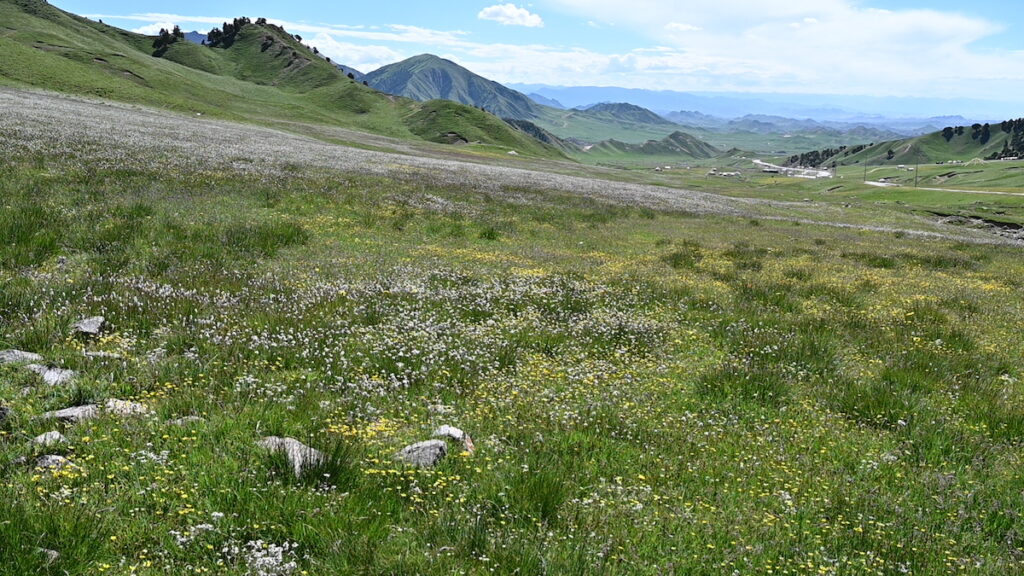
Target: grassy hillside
962,144
447,122
648,390
673,149
263,77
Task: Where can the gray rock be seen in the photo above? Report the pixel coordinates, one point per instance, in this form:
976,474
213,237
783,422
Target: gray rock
440,409
186,421
18,357
5,414
90,326
299,455
103,355
49,439
452,432
51,555
74,414
52,376
424,454
126,408
53,461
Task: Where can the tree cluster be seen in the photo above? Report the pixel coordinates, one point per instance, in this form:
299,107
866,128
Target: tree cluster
226,34
164,39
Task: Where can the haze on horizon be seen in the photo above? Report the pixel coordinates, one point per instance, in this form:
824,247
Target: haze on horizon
878,48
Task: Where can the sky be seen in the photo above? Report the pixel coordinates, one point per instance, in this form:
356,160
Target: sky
906,48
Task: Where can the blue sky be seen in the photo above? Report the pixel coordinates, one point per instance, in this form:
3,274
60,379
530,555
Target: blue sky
910,48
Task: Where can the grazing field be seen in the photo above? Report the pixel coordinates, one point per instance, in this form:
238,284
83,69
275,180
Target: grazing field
655,380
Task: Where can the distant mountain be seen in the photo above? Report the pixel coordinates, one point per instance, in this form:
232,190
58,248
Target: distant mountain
675,145
428,77
627,112
888,112
696,119
549,102
196,37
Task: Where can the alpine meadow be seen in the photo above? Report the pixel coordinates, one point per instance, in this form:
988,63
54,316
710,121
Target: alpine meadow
262,314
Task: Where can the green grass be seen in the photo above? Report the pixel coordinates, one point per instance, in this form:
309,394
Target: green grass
648,391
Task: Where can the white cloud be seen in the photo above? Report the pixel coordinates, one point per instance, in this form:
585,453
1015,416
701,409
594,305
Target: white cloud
831,46
511,15
154,29
678,27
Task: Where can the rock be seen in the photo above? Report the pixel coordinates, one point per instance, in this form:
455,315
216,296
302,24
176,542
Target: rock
103,355
51,555
90,326
49,439
299,455
457,435
52,376
440,409
74,414
18,357
424,454
53,461
126,408
186,421
452,432
5,414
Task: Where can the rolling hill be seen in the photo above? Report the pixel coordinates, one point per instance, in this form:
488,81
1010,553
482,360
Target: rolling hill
260,75
952,144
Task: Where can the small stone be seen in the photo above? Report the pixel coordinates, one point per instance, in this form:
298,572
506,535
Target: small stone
424,454
74,414
5,414
53,461
51,555
452,432
186,421
440,409
299,455
18,357
52,376
126,408
104,355
90,326
49,439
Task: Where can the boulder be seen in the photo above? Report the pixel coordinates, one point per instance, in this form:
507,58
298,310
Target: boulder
53,461
53,438
300,456
19,357
74,414
126,408
90,326
452,432
186,421
423,454
52,376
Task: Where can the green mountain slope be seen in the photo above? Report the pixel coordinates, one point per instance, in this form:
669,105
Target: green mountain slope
629,113
676,147
953,144
264,76
427,77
